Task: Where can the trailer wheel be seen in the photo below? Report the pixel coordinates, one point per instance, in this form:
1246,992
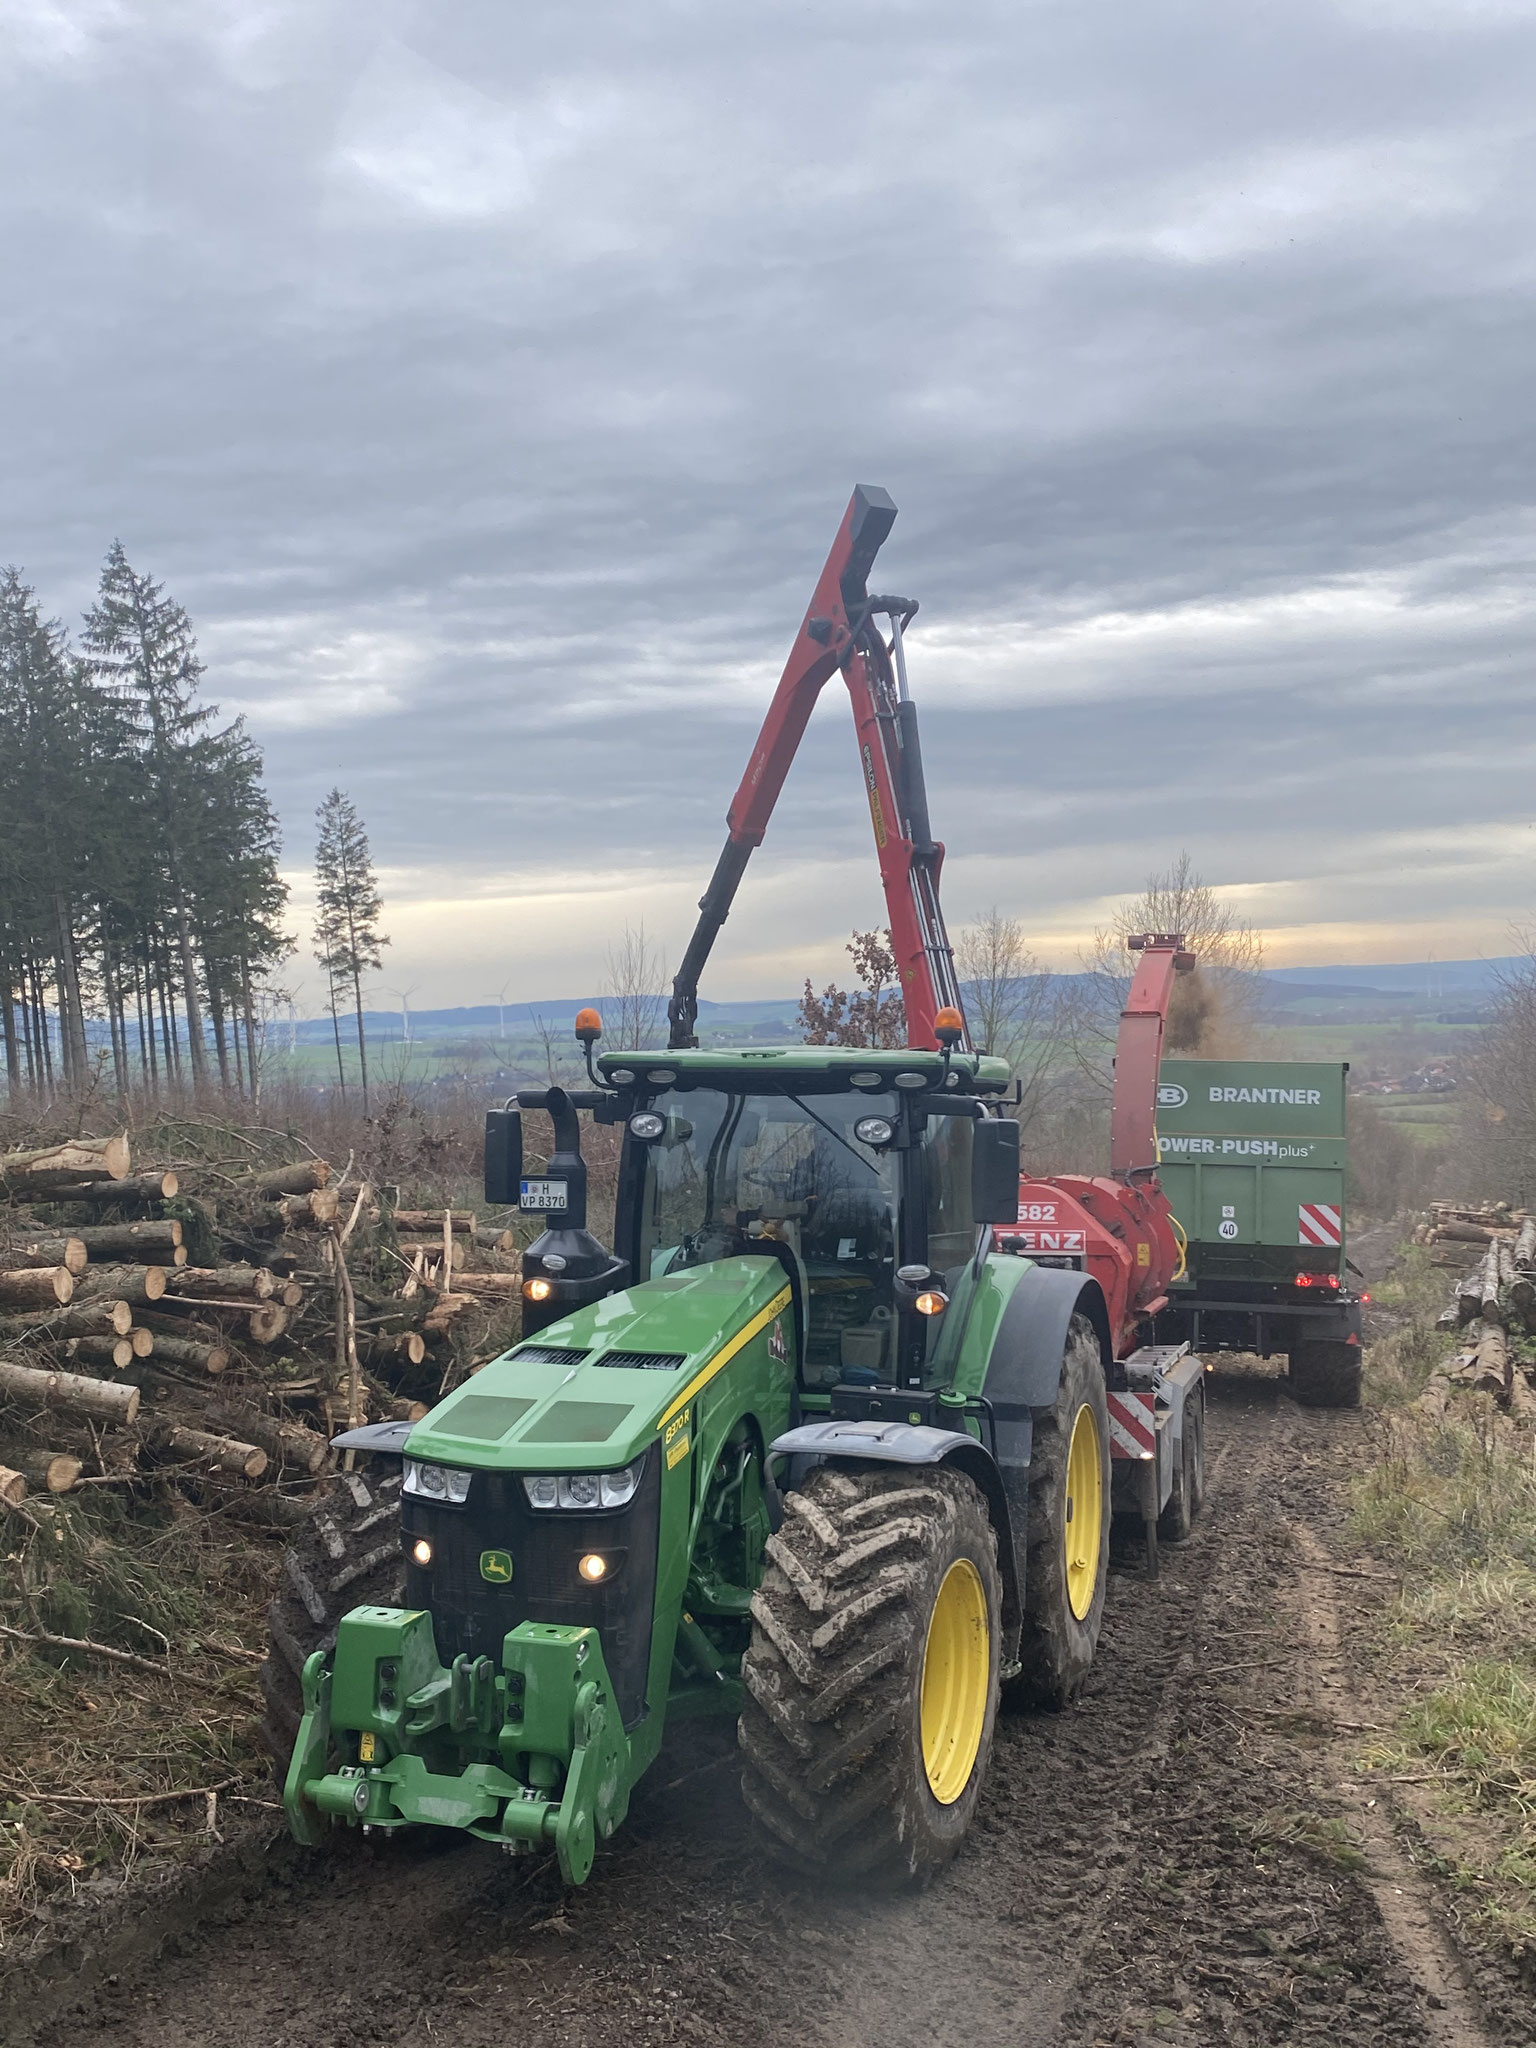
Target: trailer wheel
872,1674
1069,1516
1177,1519
346,1555
1326,1375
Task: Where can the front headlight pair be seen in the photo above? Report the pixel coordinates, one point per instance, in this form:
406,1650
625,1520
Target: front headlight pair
580,1490
583,1490
436,1482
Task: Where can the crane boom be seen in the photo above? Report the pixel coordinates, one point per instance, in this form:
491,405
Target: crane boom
1139,1052
839,632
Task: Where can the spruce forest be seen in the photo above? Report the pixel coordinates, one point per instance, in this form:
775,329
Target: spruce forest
140,900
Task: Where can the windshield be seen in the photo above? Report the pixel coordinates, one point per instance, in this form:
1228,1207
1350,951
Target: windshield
734,1174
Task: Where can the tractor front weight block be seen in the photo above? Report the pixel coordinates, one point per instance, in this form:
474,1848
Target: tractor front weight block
532,1755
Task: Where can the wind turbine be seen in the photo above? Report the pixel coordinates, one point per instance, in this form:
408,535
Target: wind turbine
404,997
501,1011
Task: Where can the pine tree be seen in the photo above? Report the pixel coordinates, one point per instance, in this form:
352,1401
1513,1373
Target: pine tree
138,849
140,642
45,798
347,936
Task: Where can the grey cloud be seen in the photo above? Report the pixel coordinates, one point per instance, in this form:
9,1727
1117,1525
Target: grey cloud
489,382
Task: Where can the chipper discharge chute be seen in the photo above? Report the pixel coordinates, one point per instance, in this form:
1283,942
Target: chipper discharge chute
804,1449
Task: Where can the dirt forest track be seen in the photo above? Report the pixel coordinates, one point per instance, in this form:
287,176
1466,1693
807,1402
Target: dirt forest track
1186,1858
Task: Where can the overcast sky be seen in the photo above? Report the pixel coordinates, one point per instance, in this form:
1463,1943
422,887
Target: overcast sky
489,381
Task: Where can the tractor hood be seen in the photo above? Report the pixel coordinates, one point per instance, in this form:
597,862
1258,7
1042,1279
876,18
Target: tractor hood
594,1388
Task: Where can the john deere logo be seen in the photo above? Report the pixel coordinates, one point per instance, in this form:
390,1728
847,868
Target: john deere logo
1171,1096
496,1565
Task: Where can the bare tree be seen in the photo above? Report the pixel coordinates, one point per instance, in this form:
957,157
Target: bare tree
1496,1150
1010,1004
872,1014
637,974
554,1043
1215,1011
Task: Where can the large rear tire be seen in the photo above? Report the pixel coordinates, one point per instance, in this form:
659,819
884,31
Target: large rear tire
1326,1375
1069,1515
872,1674
346,1555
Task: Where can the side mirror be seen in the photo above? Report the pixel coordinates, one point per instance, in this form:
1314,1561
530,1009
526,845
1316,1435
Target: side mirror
503,1157
995,1170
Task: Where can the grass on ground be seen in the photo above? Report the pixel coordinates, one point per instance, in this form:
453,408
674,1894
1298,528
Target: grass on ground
1452,1504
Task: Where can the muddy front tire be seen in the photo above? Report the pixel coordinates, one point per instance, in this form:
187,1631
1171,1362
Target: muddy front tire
1069,1516
346,1555
872,1674
1326,1375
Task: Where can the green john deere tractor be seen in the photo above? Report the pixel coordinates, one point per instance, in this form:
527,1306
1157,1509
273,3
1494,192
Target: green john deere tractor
803,1450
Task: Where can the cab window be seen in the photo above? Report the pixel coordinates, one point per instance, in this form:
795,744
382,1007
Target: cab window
947,1168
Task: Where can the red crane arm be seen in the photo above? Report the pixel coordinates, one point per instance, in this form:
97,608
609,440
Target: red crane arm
838,632
1139,1052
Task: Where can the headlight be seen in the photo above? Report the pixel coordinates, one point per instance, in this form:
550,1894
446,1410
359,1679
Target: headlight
874,1130
436,1482
645,1123
583,1490
617,1488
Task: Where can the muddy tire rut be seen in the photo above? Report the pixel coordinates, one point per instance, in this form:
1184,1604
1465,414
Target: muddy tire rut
1185,1857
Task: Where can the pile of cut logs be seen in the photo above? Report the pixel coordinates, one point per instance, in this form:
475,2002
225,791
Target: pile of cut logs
1493,1305
212,1329
1458,1234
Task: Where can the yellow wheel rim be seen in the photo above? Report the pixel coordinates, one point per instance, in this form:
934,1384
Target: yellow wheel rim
1085,1511
957,1675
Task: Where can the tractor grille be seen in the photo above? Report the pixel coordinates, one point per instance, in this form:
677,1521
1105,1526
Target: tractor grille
548,1354
471,1614
647,1361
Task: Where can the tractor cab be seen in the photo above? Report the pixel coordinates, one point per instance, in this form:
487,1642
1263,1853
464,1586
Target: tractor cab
866,1174
853,1169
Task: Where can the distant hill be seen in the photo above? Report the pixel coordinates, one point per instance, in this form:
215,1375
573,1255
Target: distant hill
1423,978
1428,990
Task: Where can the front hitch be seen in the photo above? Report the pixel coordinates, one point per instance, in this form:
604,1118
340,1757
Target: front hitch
549,1718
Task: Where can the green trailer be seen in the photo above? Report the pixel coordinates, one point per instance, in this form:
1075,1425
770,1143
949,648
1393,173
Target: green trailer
1252,1158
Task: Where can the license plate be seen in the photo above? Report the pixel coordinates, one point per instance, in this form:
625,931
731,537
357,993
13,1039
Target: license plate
543,1194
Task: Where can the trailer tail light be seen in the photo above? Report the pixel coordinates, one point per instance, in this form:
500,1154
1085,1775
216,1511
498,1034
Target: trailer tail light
1317,1279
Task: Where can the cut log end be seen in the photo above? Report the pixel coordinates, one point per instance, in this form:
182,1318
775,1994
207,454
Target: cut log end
37,1286
268,1323
249,1461
53,1471
50,1166
75,1393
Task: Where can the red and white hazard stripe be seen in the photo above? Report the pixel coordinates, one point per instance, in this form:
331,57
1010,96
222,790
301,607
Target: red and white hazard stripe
1320,1223
1132,1425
